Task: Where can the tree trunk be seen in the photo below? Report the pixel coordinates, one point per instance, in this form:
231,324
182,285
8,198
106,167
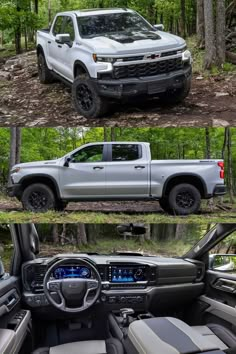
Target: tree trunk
183,19
55,234
200,24
220,32
230,167
208,144
15,148
18,31
81,235
113,134
210,54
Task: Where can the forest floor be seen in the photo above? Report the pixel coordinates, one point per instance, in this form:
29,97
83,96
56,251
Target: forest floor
26,102
114,212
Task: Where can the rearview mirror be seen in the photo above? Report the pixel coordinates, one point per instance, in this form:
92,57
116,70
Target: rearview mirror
67,161
222,262
63,39
2,270
133,230
159,27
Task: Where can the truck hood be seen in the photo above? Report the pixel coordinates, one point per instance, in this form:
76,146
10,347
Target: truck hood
134,43
37,164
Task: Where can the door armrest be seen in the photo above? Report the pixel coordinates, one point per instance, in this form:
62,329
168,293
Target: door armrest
7,341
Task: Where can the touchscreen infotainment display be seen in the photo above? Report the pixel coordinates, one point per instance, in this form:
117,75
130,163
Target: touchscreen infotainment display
120,274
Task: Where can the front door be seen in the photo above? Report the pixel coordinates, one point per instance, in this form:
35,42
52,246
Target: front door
85,177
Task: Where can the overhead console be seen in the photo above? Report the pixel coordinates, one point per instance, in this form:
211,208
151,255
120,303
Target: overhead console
126,280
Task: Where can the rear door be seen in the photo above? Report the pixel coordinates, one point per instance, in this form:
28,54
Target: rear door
85,178
220,296
127,172
14,321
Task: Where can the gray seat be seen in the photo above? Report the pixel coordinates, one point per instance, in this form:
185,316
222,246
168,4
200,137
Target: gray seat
109,346
167,335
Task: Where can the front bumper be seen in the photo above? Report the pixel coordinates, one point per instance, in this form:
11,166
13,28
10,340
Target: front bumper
220,189
150,85
14,190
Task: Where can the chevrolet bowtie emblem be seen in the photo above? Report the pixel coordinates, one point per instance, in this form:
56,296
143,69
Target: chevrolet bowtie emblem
153,56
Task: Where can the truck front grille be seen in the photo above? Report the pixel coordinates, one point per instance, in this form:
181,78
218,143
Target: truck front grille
147,69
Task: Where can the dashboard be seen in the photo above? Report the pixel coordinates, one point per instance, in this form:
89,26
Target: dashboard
128,281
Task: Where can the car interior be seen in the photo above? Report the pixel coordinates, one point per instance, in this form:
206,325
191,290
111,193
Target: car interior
118,303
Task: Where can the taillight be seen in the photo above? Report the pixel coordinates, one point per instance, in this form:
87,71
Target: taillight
222,169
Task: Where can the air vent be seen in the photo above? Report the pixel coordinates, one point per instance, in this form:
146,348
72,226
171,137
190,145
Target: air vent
125,286
39,273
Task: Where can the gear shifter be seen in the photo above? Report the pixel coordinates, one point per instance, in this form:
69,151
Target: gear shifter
125,313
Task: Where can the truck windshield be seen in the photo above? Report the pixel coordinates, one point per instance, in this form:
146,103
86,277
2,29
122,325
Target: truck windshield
117,23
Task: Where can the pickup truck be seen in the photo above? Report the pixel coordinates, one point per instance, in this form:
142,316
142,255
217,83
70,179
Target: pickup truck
113,54
116,171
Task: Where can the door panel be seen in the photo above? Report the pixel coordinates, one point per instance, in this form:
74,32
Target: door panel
128,172
221,296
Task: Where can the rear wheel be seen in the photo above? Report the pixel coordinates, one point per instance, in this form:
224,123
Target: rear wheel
86,99
45,75
38,198
184,199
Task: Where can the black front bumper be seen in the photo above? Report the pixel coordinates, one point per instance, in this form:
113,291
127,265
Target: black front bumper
220,189
151,85
14,190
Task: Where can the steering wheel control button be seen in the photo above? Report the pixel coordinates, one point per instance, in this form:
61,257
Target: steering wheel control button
92,285
54,286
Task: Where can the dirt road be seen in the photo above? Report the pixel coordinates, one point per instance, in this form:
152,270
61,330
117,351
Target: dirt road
25,102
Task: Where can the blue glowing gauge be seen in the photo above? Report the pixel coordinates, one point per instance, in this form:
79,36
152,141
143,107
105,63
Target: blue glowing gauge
84,272
60,273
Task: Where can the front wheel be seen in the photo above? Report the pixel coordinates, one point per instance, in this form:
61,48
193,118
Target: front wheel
38,198
184,199
176,96
86,99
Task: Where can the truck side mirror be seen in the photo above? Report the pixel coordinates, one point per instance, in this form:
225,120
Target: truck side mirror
222,262
63,39
2,270
67,161
159,27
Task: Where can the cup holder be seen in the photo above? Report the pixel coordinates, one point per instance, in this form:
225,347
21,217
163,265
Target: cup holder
144,316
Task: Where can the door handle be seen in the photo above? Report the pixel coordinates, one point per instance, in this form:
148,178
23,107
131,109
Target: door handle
139,167
49,42
59,46
98,168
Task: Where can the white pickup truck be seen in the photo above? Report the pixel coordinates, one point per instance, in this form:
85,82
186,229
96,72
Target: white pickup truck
117,171
110,54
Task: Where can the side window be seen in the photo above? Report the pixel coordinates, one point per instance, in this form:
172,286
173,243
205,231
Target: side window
89,154
6,250
57,28
69,28
223,255
125,152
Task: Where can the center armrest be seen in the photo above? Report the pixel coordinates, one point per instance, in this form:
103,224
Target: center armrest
7,341
168,335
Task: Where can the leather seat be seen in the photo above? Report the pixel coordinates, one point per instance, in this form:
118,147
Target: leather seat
109,346
171,336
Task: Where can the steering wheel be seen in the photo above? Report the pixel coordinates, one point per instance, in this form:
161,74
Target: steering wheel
75,290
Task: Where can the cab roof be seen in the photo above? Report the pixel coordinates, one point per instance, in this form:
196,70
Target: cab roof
94,12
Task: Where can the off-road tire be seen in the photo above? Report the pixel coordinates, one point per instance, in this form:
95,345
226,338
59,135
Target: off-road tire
184,199
175,96
86,99
38,198
45,75
164,204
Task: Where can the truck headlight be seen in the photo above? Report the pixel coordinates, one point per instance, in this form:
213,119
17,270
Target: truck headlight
99,59
15,170
187,56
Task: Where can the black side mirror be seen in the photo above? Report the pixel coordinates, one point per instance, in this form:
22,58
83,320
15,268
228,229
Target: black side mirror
67,161
133,230
2,270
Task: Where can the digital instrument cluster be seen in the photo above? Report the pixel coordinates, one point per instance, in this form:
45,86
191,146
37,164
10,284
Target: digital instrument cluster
123,274
66,272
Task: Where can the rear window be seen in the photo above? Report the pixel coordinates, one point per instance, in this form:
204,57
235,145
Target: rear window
126,152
